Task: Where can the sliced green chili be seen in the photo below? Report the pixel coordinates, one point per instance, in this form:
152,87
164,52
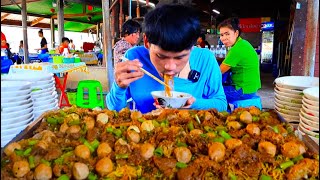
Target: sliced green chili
46,162
74,122
155,123
52,121
286,164
298,158
275,129
221,128
122,156
94,144
182,144
141,120
109,129
232,176
224,134
197,118
86,143
218,139
63,177
32,142
31,162
190,126
117,132
203,135
158,152
255,118
265,177
181,165
92,176
27,151
208,129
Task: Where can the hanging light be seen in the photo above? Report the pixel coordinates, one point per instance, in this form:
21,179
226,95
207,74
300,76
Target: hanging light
215,11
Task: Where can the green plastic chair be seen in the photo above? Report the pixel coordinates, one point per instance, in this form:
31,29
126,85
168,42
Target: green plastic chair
93,99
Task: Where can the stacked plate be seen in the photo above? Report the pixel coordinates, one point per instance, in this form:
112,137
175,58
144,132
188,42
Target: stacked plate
44,94
16,108
289,95
309,113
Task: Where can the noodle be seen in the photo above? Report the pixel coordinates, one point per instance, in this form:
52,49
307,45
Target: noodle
168,80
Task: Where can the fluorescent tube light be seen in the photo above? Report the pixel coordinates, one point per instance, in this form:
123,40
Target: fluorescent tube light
215,11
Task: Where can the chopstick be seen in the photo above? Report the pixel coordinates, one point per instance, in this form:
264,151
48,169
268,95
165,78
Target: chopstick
149,74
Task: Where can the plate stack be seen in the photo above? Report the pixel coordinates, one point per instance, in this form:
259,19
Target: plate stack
309,113
289,95
43,90
16,108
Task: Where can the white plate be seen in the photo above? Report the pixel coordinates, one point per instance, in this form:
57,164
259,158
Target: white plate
11,109
5,142
16,119
17,113
41,83
309,117
288,94
308,131
44,102
312,137
290,91
311,102
44,94
297,82
289,118
309,122
18,123
54,95
15,98
286,107
287,103
312,93
46,106
309,106
16,104
16,93
29,76
33,93
288,99
8,86
45,86
15,130
310,128
38,113
311,112
285,111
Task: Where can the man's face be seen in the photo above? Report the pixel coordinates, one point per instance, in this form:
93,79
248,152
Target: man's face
228,36
65,43
134,38
167,62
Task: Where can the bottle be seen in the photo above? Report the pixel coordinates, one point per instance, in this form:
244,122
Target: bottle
213,50
218,51
206,46
65,52
223,51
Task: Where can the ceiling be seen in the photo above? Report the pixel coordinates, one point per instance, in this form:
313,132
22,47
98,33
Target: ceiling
76,12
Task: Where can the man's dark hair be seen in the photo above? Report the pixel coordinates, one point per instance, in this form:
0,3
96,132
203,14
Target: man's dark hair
40,31
203,36
65,39
232,23
173,27
130,27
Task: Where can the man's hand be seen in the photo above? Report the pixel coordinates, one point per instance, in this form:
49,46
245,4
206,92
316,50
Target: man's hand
127,72
189,102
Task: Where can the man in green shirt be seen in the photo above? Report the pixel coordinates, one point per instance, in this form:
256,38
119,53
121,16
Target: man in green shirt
242,60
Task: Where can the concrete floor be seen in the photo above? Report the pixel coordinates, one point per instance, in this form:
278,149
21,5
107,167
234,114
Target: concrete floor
266,92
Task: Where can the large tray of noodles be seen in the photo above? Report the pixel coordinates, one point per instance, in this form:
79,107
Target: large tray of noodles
75,143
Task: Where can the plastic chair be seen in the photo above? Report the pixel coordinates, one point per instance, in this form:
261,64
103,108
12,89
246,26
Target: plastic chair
254,101
93,100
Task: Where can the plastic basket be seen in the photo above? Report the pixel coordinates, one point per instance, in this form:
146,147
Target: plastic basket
77,60
68,60
72,97
57,59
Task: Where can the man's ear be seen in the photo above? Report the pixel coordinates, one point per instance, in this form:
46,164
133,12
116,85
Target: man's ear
145,41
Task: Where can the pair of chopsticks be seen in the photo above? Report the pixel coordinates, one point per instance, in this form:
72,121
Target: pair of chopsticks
149,74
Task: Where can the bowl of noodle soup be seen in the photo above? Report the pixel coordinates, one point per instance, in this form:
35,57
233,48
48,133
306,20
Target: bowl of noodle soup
177,99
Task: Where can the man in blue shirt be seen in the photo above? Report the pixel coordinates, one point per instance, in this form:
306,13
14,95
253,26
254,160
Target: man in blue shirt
170,31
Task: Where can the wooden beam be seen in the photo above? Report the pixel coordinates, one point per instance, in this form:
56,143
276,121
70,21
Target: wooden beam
36,21
78,15
4,16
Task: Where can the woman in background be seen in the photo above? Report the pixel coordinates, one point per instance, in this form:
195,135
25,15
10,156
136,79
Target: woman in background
243,61
43,43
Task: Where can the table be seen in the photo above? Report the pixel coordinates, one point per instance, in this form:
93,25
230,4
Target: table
56,69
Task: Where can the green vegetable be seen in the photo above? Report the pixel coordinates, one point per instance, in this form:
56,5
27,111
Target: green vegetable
86,143
115,113
265,177
232,176
255,118
46,162
94,144
275,129
122,156
74,122
197,118
32,142
164,123
224,134
109,129
158,152
92,176
203,135
155,123
27,151
61,158
208,128
224,113
52,121
218,139
63,177
117,132
141,120
182,144
181,165
31,162
221,128
298,158
287,164
19,152
190,126
36,89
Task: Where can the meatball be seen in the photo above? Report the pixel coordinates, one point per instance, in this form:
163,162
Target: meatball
216,151
146,150
73,129
133,136
147,126
267,147
20,168
233,143
104,166
64,127
11,147
82,151
183,154
292,149
246,117
135,115
80,171
234,125
103,118
103,150
253,129
43,172
195,132
89,122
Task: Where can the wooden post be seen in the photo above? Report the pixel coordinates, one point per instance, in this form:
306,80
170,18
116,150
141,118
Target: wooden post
24,29
60,20
52,32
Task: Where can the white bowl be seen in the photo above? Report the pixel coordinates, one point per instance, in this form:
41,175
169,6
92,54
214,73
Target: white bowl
309,106
4,142
8,86
40,99
42,83
312,118
15,98
44,95
291,91
314,134
310,128
312,93
309,122
10,115
311,112
13,109
44,102
29,76
16,104
288,99
287,103
46,106
315,139
27,121
177,100
289,118
286,107
311,102
297,82
45,86
16,93
36,92
297,96
286,111
15,130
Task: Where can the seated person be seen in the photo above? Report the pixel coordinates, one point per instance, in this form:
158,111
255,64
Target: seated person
242,60
168,49
64,44
201,41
